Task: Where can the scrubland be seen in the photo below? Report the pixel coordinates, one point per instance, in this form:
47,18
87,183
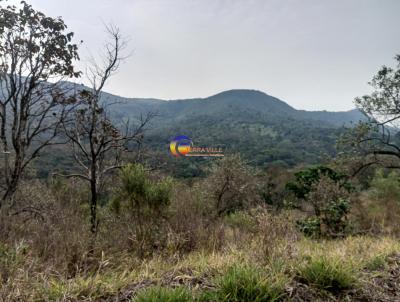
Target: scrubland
196,245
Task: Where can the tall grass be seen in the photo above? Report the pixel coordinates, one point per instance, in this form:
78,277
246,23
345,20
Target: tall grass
246,284
328,274
160,294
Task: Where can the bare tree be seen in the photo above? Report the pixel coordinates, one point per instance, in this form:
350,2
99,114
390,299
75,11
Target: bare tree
98,144
35,55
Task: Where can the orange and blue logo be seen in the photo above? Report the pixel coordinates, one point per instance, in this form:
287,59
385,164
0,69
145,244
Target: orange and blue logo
180,145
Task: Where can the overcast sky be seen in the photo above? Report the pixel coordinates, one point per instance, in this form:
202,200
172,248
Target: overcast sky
313,54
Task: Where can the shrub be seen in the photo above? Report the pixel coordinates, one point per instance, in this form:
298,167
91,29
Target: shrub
328,274
241,220
310,226
246,284
272,187
161,294
305,179
386,186
190,224
277,235
143,202
230,186
330,203
378,209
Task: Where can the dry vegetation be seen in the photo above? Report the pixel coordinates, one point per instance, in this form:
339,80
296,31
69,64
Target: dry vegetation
189,252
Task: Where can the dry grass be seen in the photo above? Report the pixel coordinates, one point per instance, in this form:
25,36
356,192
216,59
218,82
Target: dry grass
198,270
49,259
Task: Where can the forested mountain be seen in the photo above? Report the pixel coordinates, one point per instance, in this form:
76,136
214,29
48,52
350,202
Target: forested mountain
260,127
234,102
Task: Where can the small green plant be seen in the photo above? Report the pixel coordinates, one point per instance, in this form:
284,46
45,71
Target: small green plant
328,274
376,263
161,294
11,259
245,284
310,226
242,221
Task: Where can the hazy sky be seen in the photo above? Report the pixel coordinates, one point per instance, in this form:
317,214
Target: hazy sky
313,54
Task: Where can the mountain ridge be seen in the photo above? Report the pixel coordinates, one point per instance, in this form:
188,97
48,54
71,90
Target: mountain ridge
263,129
222,103
224,92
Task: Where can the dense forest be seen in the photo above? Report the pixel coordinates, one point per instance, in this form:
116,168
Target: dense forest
304,206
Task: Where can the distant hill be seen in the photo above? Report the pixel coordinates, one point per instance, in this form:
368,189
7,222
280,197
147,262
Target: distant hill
264,129
226,103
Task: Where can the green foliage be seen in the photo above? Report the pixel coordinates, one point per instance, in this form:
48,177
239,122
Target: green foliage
39,38
378,138
383,101
328,274
242,221
334,215
161,294
376,263
310,226
272,187
246,284
327,191
139,192
331,221
306,178
378,210
238,284
386,185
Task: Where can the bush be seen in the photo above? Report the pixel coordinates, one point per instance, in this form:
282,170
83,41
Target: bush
241,220
272,187
277,235
330,202
305,179
378,209
230,187
328,274
386,186
161,294
246,284
143,202
310,226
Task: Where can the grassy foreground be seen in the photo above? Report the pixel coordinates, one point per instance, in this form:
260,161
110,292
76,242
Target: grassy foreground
356,269
188,250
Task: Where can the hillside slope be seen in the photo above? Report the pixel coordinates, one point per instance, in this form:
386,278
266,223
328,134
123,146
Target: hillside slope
262,128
